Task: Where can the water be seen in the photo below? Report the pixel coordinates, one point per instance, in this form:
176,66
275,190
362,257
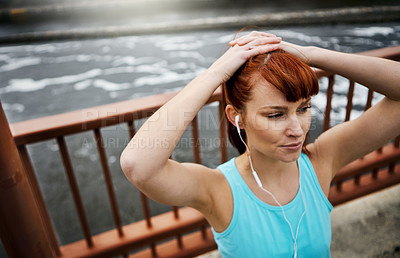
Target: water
49,78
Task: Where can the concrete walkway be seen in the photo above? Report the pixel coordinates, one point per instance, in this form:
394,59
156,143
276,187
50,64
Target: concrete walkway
367,227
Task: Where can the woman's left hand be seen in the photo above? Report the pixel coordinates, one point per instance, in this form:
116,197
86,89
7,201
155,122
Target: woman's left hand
261,38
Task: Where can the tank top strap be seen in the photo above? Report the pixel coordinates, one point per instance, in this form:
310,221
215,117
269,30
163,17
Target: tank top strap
310,178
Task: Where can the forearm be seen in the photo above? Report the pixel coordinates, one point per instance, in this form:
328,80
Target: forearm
378,74
155,141
148,152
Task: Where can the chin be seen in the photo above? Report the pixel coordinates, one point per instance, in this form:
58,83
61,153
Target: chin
290,157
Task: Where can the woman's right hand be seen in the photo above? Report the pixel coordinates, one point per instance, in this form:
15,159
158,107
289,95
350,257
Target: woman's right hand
241,50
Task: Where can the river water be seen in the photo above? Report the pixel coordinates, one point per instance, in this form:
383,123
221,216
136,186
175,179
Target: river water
53,77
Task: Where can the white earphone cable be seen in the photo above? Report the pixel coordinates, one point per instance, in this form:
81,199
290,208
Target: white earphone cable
255,175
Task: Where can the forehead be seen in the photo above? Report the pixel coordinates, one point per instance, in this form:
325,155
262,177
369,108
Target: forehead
263,93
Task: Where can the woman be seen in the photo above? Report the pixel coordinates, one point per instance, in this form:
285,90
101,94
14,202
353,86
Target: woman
271,201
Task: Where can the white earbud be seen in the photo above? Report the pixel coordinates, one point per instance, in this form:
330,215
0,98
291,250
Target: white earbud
238,130
237,123
248,150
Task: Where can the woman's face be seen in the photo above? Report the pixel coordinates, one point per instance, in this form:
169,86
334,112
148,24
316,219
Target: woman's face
275,127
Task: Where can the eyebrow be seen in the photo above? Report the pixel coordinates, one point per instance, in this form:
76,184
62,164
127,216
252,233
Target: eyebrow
276,107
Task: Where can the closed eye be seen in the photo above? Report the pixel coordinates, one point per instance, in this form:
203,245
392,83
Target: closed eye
275,115
304,109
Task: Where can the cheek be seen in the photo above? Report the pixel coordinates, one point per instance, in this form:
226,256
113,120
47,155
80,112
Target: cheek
275,128
306,123
262,123
264,129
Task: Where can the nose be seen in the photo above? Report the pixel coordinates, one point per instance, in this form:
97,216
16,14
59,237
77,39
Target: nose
294,128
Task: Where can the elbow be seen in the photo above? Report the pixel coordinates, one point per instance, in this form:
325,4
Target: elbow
133,171
126,166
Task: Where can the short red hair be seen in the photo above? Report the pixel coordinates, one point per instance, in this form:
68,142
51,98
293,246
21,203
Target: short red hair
295,79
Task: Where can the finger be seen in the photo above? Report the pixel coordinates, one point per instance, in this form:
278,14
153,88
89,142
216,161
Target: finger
264,41
256,50
261,33
266,34
257,41
246,38
241,41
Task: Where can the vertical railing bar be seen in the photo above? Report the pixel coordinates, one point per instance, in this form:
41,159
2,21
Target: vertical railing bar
349,106
375,173
222,132
146,209
143,198
107,177
339,186
369,99
391,168
357,179
39,198
175,209
196,141
75,190
153,250
397,142
203,232
329,94
179,240
131,128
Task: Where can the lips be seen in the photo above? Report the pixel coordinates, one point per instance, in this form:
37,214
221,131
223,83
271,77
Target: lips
293,146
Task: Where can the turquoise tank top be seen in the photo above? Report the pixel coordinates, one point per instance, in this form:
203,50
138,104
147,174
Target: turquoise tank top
258,229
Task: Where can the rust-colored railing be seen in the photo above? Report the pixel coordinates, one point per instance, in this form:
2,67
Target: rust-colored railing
186,227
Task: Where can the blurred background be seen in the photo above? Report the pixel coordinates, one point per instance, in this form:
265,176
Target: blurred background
60,56
42,15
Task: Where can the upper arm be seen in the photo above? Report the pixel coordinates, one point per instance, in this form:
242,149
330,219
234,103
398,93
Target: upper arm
178,184
351,140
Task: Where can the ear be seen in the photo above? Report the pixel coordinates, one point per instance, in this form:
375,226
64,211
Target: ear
231,113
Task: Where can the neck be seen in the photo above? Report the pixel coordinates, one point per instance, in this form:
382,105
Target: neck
272,172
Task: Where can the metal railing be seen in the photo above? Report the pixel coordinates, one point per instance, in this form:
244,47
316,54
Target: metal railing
182,232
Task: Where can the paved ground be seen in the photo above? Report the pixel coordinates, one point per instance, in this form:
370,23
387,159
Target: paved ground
366,227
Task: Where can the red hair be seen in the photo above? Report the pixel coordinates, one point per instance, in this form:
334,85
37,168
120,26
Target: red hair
295,79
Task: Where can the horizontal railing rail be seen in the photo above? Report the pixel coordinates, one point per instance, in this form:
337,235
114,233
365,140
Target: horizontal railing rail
188,228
